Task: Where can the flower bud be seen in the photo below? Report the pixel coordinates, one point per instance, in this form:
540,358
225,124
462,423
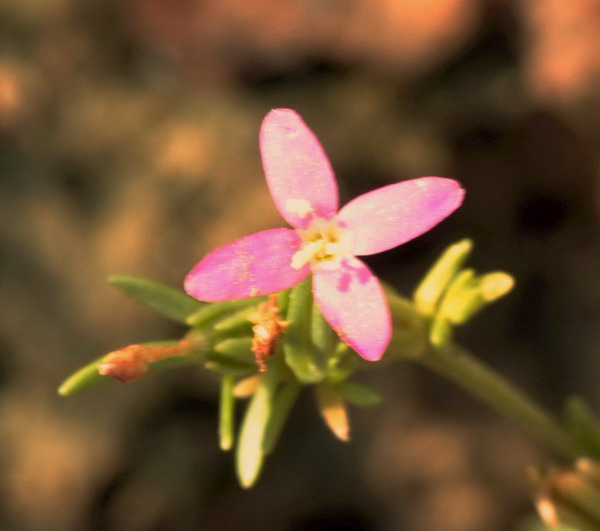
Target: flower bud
432,287
333,410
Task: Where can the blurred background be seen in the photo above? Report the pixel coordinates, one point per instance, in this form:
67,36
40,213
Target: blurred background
129,144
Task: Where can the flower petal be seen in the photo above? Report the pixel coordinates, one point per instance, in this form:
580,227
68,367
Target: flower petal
258,264
298,172
389,216
353,303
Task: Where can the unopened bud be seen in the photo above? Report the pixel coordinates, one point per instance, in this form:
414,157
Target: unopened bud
333,410
432,287
495,285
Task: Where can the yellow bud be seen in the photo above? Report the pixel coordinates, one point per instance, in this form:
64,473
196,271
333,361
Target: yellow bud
496,285
432,287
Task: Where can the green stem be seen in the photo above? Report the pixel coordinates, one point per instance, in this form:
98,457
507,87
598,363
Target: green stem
471,375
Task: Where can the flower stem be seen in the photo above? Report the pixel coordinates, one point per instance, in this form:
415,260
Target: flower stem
456,364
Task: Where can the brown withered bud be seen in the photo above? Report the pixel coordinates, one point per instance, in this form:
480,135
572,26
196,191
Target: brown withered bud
266,330
130,363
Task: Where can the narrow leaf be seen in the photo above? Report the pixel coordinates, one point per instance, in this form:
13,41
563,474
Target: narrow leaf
213,311
226,413
583,425
358,394
169,302
230,366
298,346
282,407
250,449
246,387
85,378
237,321
324,339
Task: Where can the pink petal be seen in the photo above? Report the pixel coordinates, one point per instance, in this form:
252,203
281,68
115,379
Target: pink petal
352,301
298,172
258,264
389,216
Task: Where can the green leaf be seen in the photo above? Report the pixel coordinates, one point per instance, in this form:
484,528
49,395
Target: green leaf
212,312
298,347
232,356
283,298
323,337
358,394
169,302
282,407
230,366
236,322
85,378
226,413
250,452
583,425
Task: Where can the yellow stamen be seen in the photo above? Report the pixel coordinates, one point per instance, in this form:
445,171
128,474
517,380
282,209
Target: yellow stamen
324,241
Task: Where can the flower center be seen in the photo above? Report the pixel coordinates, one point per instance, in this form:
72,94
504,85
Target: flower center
323,241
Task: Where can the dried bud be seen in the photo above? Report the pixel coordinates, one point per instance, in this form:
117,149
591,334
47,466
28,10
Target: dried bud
130,363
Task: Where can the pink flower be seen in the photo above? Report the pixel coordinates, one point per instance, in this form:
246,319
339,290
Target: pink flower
324,241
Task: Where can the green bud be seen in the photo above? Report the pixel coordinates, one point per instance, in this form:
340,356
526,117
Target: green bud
431,288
